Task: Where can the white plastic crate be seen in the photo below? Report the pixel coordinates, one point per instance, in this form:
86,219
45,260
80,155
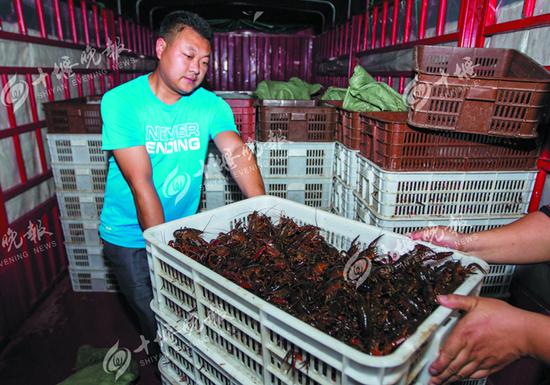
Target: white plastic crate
82,232
255,336
295,159
86,257
215,166
77,149
495,284
342,201
170,373
191,362
346,164
481,381
93,280
313,192
476,194
79,205
220,192
81,178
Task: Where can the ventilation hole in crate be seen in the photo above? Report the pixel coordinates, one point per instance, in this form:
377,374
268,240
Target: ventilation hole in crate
64,150
99,177
278,162
232,193
99,205
94,149
84,281
315,162
314,195
68,179
176,275
76,233
277,189
227,347
80,257
179,358
176,292
72,206
92,120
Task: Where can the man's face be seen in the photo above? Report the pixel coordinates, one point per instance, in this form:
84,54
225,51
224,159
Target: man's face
183,61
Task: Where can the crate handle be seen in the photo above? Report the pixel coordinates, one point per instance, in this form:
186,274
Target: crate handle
298,116
488,94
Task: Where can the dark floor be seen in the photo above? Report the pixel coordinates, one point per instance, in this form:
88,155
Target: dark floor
43,351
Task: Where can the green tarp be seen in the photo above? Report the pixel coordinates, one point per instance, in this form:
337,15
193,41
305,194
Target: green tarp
295,88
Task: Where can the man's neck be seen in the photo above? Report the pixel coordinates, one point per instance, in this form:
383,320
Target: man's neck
161,90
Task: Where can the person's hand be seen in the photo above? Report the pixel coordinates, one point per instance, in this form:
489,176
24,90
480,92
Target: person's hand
486,339
441,236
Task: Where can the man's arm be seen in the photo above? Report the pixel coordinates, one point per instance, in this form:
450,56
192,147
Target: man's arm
526,240
135,165
491,335
243,166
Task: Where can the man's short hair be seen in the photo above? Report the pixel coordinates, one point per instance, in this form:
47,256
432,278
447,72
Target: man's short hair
177,21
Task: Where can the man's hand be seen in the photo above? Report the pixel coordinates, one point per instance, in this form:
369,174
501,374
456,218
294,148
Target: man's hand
442,236
491,335
243,166
135,164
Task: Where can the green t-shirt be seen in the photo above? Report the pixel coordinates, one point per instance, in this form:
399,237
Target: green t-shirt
176,138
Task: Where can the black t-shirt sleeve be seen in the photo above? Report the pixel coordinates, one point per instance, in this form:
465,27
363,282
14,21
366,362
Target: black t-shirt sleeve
546,209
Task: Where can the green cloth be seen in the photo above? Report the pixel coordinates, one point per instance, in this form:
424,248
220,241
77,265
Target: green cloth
366,94
334,93
89,363
295,88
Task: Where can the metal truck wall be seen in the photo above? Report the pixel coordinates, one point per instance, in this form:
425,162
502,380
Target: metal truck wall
50,50
242,60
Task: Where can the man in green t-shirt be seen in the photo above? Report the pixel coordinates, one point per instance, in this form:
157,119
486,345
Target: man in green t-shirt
158,127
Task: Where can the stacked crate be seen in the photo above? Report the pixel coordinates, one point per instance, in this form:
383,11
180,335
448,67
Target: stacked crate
80,170
295,150
407,178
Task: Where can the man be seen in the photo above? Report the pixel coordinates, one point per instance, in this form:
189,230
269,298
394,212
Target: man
493,333
158,127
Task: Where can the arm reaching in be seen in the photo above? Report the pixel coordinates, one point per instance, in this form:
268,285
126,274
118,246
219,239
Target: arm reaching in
242,163
135,165
491,335
526,240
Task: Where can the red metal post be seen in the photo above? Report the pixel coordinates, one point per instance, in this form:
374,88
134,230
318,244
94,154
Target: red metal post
37,132
384,23
422,20
373,28
66,88
407,33
440,28
394,25
40,12
13,124
96,25
536,196
85,22
121,31
73,21
105,26
366,32
20,17
529,7
58,21
79,85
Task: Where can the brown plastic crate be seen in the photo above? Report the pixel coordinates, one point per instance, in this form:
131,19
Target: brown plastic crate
489,91
79,115
297,124
394,145
351,126
244,112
